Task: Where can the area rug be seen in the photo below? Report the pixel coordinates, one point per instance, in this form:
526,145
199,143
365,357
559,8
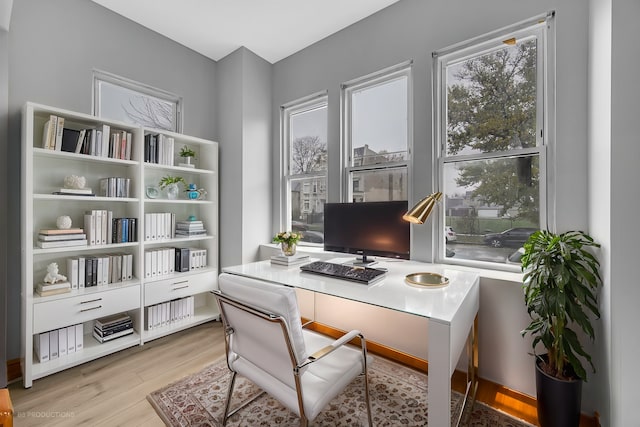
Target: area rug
397,393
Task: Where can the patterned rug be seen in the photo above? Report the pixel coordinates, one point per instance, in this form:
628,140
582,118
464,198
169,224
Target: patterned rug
398,398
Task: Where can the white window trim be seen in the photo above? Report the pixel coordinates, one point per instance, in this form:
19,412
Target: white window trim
307,103
404,69
544,26
141,88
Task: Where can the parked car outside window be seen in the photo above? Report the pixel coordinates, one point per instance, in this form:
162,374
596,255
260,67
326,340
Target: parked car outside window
513,237
449,234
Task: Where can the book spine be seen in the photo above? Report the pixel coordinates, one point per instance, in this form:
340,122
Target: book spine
59,132
62,342
72,272
71,339
81,272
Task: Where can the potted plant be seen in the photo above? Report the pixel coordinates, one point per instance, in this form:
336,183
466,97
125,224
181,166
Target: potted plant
288,241
171,184
560,290
187,154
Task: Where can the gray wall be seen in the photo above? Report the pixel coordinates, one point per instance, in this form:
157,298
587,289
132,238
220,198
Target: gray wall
52,65
412,29
4,119
600,184
244,123
229,124
625,205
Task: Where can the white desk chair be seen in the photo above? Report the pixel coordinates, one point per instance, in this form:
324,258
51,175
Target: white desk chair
265,342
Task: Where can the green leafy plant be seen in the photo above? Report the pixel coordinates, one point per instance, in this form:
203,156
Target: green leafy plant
560,285
166,180
187,152
288,237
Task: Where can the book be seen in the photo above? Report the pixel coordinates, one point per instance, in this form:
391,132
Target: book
58,237
75,191
293,258
56,231
52,286
44,293
294,261
61,243
80,141
179,233
187,225
49,133
59,131
41,346
66,193
113,329
111,337
72,272
112,320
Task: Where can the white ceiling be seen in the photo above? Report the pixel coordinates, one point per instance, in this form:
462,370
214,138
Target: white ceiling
273,29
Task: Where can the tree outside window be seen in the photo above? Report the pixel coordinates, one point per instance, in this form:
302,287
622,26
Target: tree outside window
490,106
128,101
304,125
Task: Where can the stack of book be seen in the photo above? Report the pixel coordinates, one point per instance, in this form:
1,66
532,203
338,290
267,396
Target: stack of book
289,260
75,192
112,327
46,289
58,238
190,229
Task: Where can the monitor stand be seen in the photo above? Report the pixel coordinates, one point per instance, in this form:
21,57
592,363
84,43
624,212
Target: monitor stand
363,262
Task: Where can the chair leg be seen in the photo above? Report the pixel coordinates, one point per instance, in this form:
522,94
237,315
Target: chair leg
366,397
228,403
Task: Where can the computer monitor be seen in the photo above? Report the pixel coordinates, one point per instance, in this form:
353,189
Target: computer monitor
367,229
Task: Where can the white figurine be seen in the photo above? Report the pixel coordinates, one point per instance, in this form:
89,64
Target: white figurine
74,181
52,274
63,222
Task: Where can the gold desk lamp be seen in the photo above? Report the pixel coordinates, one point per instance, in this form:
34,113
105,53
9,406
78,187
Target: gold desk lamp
418,215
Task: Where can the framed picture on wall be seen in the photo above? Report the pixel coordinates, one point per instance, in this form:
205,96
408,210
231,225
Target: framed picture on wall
125,100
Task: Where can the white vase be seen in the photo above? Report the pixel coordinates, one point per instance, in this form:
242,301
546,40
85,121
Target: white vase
173,191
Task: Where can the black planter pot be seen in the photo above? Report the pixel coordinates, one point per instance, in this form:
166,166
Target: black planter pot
559,401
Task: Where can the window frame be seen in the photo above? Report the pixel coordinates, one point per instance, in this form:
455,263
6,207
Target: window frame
542,27
140,89
402,70
302,105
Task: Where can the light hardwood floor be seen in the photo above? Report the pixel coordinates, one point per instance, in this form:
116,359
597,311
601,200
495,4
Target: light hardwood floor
112,391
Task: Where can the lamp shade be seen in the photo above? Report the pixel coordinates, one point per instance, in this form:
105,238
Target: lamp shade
421,211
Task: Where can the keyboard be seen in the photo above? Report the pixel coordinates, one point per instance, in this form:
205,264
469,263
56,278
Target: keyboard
364,275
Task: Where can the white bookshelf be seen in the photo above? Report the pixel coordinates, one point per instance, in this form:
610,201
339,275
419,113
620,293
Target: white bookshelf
43,172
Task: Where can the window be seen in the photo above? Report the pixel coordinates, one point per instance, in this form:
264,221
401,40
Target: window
376,135
304,141
128,101
492,109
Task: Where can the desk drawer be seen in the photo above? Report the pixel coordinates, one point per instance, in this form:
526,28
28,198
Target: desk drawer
178,287
70,311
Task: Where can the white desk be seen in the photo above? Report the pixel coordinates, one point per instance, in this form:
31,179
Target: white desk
451,311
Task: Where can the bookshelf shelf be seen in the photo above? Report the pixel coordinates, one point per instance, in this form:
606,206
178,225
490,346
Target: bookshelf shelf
41,152
43,173
83,199
92,350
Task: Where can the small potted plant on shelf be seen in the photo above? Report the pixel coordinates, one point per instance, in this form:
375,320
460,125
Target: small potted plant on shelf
560,290
170,183
288,241
187,154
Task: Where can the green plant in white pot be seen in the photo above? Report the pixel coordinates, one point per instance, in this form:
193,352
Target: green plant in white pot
560,289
